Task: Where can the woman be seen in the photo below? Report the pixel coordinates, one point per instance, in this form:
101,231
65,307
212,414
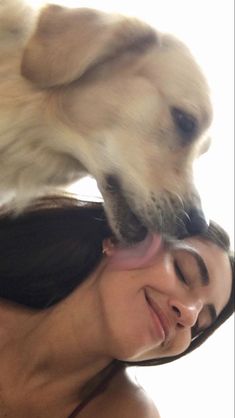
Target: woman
76,308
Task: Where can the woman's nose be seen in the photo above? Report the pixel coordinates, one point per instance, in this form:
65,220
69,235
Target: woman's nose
186,313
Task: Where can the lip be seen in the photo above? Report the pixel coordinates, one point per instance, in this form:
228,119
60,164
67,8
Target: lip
161,322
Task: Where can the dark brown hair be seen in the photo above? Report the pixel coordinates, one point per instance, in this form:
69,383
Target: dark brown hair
50,249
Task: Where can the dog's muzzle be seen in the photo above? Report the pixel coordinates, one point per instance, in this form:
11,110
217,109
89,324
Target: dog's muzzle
195,223
130,226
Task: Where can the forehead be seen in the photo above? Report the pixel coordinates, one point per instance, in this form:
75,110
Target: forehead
219,269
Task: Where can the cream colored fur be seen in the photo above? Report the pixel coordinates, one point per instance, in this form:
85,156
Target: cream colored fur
82,92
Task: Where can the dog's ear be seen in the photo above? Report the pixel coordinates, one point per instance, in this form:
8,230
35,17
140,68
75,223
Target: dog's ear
68,42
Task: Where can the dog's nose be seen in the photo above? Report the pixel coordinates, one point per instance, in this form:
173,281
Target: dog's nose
196,222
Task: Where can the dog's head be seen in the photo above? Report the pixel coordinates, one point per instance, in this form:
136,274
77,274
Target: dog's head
140,106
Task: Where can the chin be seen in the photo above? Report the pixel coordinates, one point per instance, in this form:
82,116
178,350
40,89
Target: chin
135,354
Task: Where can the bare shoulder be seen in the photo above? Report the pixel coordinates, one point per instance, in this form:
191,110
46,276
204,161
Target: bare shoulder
122,399
127,399
134,403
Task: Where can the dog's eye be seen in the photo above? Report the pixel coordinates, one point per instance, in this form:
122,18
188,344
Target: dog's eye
185,123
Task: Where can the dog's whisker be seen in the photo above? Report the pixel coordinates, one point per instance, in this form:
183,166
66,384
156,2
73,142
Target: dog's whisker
187,216
178,198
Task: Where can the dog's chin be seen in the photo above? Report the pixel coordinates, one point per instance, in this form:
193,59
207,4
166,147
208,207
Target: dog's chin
129,229
130,226
126,226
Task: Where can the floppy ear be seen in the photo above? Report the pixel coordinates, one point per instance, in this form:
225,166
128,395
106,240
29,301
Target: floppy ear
67,42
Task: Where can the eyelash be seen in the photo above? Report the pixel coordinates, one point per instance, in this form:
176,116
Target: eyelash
179,273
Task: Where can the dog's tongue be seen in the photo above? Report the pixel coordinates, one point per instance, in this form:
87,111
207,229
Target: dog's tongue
138,255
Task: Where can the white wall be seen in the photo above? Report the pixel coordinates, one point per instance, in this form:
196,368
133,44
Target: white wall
201,385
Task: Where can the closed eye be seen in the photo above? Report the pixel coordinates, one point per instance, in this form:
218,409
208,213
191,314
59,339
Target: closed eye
179,273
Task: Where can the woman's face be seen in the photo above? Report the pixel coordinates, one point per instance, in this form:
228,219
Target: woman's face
150,304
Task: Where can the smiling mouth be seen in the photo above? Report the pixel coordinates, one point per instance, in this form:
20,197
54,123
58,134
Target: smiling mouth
158,319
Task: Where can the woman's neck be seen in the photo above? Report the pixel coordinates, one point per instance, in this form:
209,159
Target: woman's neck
55,351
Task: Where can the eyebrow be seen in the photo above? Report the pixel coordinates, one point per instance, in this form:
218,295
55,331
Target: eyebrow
201,265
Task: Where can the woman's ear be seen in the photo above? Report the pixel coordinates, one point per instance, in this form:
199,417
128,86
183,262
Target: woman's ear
67,42
108,247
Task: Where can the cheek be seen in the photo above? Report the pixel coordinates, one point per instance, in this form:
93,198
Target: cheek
160,275
127,326
77,104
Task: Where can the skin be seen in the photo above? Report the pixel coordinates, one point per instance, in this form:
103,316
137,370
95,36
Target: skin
115,321
183,305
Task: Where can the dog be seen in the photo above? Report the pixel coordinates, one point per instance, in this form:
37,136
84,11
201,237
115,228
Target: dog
87,92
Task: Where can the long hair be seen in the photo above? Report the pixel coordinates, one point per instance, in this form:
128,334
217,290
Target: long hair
50,249
47,251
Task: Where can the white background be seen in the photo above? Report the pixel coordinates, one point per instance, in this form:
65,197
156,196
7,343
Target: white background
201,384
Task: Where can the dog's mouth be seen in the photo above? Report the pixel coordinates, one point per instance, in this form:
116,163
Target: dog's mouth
125,223
165,217
130,228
